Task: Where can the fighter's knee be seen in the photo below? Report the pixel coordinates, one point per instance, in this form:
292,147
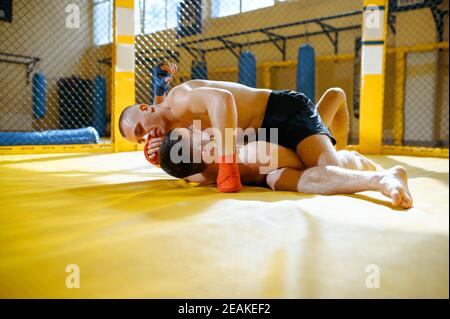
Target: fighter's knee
346,159
329,160
337,93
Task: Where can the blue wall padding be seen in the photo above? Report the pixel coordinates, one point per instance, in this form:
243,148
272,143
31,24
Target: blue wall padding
39,95
87,135
99,104
247,69
199,70
306,71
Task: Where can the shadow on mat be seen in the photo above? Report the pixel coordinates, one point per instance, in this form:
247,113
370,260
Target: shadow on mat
179,195
386,203
174,199
163,199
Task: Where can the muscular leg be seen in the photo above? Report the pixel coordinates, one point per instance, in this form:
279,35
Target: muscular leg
317,150
333,110
330,180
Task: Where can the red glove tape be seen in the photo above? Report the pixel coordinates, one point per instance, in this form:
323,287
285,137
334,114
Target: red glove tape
228,178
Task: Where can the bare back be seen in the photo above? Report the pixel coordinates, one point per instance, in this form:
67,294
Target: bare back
251,103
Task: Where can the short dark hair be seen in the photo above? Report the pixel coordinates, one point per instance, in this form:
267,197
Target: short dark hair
178,170
121,117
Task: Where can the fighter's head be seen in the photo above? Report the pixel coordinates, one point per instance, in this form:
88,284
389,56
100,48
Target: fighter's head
138,120
182,152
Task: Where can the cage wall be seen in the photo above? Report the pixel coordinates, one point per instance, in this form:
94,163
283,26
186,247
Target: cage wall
41,40
416,111
55,78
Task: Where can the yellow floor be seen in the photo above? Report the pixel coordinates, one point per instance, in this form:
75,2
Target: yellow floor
135,233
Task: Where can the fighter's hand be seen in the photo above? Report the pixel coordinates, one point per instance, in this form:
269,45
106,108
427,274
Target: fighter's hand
151,150
171,68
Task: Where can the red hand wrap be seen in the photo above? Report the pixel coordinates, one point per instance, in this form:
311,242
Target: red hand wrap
228,178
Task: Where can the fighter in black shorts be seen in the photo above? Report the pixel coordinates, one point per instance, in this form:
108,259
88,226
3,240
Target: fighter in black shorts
295,116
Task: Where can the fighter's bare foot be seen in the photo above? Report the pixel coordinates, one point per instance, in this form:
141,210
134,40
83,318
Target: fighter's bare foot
394,184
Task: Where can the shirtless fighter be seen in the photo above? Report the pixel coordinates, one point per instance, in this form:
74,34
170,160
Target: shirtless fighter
227,105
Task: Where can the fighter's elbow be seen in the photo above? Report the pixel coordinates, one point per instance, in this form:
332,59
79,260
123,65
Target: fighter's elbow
222,104
225,98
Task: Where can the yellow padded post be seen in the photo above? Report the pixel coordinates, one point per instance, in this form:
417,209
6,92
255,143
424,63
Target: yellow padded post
266,76
373,75
123,68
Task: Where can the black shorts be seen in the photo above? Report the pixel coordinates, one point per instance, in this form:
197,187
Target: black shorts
295,116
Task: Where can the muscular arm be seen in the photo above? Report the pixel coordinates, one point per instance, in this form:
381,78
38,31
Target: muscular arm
214,107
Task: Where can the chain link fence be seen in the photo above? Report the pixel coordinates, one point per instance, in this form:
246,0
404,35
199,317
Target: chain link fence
55,74
416,111
55,60
208,38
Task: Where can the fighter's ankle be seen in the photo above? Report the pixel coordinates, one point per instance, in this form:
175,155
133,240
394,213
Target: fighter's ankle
376,180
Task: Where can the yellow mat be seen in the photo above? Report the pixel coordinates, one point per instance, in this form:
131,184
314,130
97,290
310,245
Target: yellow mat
134,232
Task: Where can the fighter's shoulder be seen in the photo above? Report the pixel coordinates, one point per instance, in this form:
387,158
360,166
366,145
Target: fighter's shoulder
183,92
190,85
197,83
179,94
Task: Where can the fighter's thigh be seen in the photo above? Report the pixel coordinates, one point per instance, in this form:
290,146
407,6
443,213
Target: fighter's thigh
269,156
317,150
